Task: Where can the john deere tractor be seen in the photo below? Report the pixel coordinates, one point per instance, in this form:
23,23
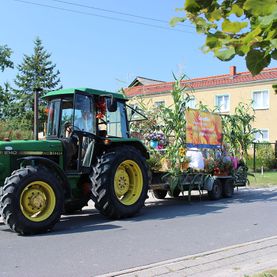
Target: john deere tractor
87,154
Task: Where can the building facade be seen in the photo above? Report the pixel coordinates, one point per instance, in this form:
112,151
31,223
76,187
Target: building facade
223,92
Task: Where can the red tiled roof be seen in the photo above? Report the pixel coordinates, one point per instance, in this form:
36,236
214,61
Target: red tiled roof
206,82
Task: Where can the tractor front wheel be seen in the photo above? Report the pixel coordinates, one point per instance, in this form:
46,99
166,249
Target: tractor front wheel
31,200
120,182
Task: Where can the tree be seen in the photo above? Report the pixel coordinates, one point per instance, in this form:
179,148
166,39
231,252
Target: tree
6,99
5,55
36,72
238,130
5,95
245,28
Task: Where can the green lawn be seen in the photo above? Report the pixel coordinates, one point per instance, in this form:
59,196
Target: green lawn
268,273
266,180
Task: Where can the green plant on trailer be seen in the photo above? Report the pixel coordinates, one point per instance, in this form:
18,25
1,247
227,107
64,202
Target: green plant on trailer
87,154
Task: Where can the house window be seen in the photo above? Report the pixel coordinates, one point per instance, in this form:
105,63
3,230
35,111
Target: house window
260,99
192,103
222,103
159,103
262,135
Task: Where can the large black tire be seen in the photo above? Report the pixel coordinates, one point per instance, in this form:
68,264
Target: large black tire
228,188
120,182
159,193
176,192
31,200
216,192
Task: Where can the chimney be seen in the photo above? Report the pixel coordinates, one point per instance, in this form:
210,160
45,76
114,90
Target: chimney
233,70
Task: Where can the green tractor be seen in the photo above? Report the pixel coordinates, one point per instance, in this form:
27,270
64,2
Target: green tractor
87,154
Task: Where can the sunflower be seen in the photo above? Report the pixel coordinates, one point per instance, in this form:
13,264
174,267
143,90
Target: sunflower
182,151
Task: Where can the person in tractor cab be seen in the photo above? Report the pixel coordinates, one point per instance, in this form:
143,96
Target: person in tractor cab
83,116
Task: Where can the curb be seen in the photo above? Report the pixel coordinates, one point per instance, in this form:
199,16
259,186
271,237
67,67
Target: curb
185,258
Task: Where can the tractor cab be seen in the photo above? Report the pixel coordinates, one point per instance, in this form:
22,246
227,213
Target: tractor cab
82,118
92,113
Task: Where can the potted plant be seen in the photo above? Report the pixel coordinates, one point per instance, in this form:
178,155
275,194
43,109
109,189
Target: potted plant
223,166
210,165
155,161
219,167
156,140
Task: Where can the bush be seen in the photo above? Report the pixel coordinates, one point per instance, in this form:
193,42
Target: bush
15,129
265,157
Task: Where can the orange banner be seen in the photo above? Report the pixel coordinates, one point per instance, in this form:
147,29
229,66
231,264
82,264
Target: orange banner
203,129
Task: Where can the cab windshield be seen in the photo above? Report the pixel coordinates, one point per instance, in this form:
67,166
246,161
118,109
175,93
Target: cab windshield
84,114
63,117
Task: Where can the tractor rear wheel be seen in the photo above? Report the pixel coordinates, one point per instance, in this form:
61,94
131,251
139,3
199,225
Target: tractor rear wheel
120,182
31,200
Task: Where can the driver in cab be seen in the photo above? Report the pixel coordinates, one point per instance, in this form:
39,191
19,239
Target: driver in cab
84,117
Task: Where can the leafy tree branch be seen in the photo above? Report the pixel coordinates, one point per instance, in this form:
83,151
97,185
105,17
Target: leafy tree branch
246,28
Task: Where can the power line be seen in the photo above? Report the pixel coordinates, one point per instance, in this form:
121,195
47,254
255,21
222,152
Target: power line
102,16
117,12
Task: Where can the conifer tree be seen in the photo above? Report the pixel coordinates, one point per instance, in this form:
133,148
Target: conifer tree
6,102
5,55
5,91
35,72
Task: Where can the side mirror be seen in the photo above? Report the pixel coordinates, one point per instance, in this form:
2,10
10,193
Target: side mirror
111,104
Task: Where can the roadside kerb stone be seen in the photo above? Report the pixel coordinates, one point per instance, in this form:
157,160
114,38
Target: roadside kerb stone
236,260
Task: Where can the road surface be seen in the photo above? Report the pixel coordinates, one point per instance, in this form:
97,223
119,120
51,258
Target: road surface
86,244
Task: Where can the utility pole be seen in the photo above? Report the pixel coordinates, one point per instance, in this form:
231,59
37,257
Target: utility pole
254,158
36,93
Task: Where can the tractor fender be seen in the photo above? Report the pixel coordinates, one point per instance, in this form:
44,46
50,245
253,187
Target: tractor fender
54,167
142,149
135,143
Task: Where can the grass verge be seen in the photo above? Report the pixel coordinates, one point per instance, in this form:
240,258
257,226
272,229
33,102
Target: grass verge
267,179
267,273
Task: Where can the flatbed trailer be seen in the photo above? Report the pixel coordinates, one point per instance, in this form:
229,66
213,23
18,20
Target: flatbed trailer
203,131
217,186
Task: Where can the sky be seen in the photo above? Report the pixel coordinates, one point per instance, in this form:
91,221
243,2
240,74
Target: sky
94,48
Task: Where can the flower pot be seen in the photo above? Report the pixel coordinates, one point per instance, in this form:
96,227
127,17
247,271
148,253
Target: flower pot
166,164
154,143
222,173
184,166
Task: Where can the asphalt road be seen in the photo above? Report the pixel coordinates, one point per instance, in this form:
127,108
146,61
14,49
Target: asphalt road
86,244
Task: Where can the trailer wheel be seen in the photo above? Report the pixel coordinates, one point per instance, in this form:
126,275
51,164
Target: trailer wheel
159,193
175,193
31,201
216,192
120,182
228,188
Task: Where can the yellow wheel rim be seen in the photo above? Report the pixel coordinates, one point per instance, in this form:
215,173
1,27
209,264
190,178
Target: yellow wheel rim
128,182
37,201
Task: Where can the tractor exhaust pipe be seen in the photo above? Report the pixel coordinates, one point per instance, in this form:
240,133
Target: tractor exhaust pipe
36,95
